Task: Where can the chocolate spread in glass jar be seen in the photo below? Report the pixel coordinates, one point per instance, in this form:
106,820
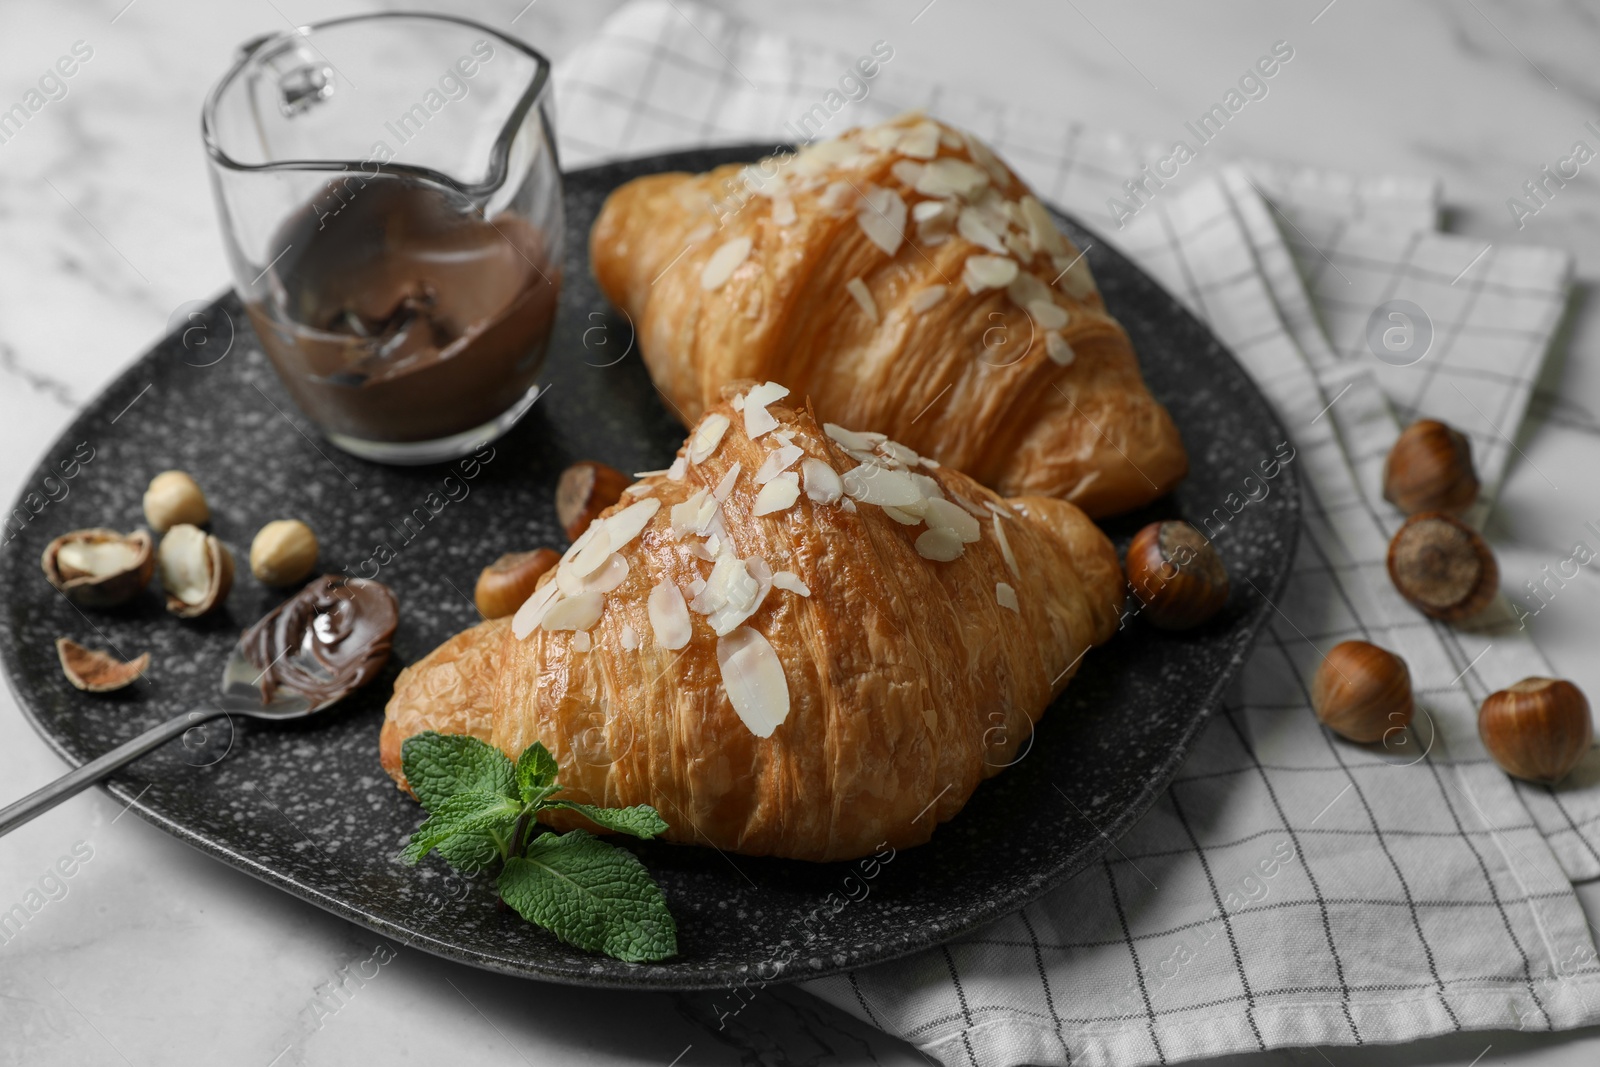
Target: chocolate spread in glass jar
406,315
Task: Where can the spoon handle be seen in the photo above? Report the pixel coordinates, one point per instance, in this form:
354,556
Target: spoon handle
76,781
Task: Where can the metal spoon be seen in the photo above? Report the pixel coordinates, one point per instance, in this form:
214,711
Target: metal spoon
241,695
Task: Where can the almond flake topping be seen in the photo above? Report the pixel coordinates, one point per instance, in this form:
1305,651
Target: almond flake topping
1006,596
863,296
907,172
1026,288
1042,228
850,438
574,613
823,483
1048,314
790,581
836,195
679,468
528,616
723,262
974,229
939,544
778,495
988,272
880,485
928,298
783,212
629,638
1057,348
757,420
669,616
708,435
623,526
951,177
943,515
694,515
778,461
725,486
903,516
581,642
882,217
1076,280
753,676
921,140
1005,546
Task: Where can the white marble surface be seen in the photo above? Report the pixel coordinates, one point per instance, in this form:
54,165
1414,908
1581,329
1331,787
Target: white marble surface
157,954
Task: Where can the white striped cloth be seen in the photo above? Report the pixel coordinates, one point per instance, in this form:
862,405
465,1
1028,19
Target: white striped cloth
1289,888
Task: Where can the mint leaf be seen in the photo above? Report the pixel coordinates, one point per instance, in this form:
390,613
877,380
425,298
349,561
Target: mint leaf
536,773
473,852
592,895
438,766
641,820
463,814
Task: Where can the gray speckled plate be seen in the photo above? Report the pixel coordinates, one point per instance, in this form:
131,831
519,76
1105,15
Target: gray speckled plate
308,808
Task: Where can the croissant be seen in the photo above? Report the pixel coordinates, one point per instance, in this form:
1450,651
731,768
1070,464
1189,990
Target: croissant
791,642
901,277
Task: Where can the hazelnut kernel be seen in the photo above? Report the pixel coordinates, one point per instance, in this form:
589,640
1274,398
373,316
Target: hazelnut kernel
174,498
283,552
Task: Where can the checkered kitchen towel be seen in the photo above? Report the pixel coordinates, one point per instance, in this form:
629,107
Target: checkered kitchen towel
1289,888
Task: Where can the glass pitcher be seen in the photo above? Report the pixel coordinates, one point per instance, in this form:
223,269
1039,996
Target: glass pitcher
390,199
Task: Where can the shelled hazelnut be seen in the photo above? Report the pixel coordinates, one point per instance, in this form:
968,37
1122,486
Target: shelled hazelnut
585,490
1537,729
174,498
506,583
1430,469
99,568
1443,567
1362,692
1177,574
283,552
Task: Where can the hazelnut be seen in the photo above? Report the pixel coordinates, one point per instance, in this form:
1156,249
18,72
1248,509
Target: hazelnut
196,571
1177,574
284,552
1362,692
97,672
586,489
1537,729
1443,567
1430,469
99,568
506,583
173,498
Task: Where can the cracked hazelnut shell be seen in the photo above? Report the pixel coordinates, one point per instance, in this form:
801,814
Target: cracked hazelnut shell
1443,567
99,568
98,672
196,571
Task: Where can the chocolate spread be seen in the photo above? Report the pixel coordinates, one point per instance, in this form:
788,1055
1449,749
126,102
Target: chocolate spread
406,315
326,641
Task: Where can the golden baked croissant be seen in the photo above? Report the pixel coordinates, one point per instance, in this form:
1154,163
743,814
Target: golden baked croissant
902,277
792,642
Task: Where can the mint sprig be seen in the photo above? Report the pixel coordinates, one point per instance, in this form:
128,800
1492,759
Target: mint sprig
481,809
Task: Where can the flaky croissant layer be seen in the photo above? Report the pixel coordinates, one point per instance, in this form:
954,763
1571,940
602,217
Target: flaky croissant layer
795,641
901,277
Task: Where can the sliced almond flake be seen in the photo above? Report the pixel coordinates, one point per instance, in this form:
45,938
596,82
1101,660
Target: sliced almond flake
595,552
884,138
708,435
701,551
696,587
943,515
1042,229
639,489
902,516
669,616
574,613
837,195
988,272
527,618
679,468
783,436
986,159
778,495
823,483
928,210
734,591
863,296
932,240
882,217
778,461
880,485
942,545
1048,314
950,138
951,177
971,508
753,677
1076,279
723,262
623,526
629,637
610,574
974,229
928,298
757,420
921,140
713,545
830,152
581,642
1005,546
1026,288
783,212
699,233
737,403
568,582
695,514
906,172
898,452
725,486
846,504
648,474
1018,245
791,582
872,459
1006,597
1057,348
849,438
929,488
